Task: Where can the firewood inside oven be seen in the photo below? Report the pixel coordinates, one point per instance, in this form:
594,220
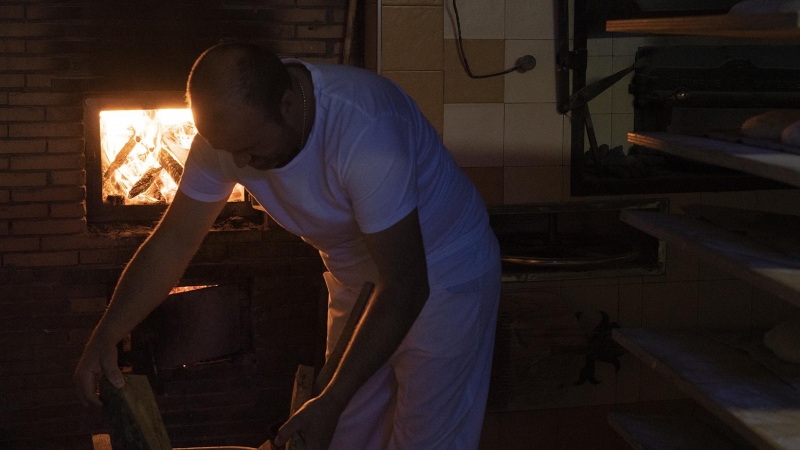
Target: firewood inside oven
173,168
119,160
145,181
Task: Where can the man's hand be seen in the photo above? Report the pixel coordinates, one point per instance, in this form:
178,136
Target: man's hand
98,360
145,283
315,423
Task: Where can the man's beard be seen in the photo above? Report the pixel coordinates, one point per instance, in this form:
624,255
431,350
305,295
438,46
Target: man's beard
260,162
288,156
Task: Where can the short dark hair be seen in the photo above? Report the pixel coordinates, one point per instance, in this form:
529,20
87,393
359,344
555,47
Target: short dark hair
257,76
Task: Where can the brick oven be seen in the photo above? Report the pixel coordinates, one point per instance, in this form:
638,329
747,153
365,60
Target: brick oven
63,242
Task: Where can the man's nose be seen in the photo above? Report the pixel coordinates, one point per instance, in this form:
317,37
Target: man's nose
241,159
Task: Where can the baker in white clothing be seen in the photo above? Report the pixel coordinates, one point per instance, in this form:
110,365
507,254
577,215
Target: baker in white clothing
343,158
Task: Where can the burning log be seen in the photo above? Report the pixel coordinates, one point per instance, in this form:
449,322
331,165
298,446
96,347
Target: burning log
119,160
173,168
145,181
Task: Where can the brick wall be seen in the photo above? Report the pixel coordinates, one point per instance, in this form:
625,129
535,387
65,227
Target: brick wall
52,53
48,314
57,271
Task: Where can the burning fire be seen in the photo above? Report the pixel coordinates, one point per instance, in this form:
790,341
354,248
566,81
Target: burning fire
180,289
143,154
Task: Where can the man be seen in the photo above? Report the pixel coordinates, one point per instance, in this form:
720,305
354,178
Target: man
343,158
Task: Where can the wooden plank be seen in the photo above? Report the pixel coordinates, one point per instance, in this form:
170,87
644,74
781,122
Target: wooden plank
752,342
301,393
726,381
765,26
643,432
770,164
756,263
134,416
756,224
303,386
776,231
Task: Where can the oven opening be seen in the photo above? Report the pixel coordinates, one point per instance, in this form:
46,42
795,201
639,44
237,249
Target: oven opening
136,147
143,153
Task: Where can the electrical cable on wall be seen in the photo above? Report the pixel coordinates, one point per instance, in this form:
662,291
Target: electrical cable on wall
523,64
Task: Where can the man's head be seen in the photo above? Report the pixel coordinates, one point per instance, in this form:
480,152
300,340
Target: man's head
235,71
241,97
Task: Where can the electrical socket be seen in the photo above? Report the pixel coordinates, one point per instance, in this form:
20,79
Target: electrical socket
525,63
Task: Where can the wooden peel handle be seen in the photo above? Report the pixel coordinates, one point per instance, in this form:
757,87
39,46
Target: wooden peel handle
332,363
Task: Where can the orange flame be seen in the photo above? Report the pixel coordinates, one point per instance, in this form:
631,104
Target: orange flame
179,289
146,134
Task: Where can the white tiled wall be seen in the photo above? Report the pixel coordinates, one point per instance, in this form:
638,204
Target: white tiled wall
532,184
597,68
532,126
524,133
480,19
529,136
537,85
528,20
473,132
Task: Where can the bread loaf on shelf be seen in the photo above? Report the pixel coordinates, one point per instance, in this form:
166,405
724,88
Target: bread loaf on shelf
791,135
770,125
765,6
784,341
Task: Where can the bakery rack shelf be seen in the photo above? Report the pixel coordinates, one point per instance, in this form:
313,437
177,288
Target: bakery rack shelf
644,432
745,386
755,402
771,164
760,265
762,26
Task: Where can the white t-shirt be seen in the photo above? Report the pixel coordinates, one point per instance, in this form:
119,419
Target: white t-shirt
371,158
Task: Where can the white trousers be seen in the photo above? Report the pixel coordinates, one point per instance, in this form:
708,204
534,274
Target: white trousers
432,393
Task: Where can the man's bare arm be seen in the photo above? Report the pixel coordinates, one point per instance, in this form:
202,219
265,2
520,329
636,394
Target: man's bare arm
400,294
146,281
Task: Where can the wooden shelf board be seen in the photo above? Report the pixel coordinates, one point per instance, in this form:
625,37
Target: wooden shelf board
758,264
770,164
647,432
766,26
751,400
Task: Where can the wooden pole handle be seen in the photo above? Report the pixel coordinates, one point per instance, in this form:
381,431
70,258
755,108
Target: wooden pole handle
348,36
330,366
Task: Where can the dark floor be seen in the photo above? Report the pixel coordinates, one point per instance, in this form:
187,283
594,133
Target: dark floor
579,428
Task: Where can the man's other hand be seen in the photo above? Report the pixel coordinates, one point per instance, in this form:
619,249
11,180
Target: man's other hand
98,360
315,423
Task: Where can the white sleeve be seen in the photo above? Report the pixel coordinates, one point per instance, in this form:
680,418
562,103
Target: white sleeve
203,178
379,174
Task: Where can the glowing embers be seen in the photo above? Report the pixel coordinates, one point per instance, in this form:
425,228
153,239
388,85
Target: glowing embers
179,289
143,153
